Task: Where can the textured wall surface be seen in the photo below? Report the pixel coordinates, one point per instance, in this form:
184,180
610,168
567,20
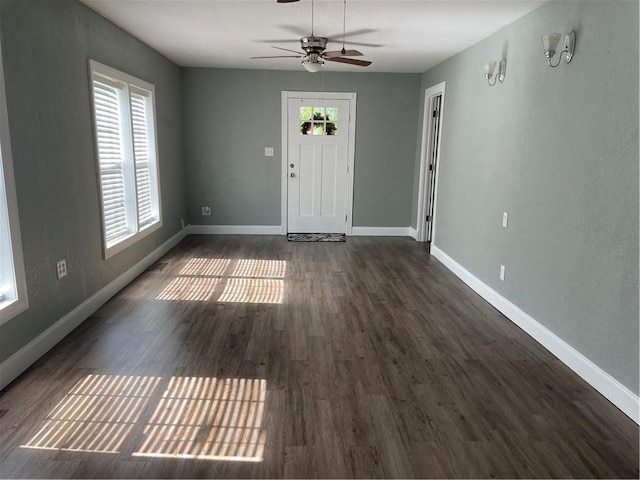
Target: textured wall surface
558,150
231,115
46,46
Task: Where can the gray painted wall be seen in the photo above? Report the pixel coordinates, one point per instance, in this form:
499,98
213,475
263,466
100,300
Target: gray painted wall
231,115
46,46
558,150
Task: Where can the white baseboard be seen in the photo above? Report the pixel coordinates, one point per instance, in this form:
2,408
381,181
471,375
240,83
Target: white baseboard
235,229
413,233
612,389
380,231
17,363
277,230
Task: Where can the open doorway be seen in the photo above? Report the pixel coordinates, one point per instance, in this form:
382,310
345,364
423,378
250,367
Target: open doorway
430,162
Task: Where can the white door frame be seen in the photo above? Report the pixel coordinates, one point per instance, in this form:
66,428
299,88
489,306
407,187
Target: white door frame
423,190
286,95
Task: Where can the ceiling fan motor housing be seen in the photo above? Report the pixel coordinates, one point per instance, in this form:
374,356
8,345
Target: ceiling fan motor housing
313,44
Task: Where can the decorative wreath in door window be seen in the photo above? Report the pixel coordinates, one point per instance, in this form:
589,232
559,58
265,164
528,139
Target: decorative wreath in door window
320,126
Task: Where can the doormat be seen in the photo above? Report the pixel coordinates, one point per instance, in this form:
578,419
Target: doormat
157,267
317,237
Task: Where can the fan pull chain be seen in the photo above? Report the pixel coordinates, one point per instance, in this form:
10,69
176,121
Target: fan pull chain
344,25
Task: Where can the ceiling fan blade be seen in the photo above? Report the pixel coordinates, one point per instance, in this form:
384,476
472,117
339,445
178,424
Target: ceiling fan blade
288,50
295,30
350,61
351,33
277,40
343,53
278,56
361,44
287,1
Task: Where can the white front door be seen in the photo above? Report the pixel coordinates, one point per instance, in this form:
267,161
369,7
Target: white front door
317,169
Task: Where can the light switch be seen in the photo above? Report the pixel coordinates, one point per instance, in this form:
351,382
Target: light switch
268,151
505,219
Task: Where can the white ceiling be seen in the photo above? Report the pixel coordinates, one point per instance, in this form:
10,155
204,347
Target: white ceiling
396,35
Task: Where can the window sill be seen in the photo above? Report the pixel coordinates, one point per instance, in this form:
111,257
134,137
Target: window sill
11,308
126,242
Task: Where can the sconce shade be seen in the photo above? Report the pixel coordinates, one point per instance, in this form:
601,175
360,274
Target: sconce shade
550,43
489,67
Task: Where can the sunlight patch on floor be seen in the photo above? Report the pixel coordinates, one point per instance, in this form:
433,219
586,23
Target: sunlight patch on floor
206,266
97,415
252,290
208,419
260,268
198,289
228,281
195,418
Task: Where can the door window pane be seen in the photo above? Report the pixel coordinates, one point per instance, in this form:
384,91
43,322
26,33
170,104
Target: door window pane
318,121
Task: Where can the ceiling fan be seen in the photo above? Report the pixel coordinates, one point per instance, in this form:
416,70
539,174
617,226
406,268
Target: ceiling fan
313,52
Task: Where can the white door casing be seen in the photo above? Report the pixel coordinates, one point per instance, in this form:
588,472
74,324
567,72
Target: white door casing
428,180
317,181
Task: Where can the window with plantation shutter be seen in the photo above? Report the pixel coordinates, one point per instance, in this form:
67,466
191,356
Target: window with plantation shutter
123,108
13,285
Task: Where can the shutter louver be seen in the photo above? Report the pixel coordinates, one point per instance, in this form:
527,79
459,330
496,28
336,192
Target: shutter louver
111,157
139,116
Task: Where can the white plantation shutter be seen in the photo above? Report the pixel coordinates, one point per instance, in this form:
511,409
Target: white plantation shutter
108,117
141,153
126,154
13,285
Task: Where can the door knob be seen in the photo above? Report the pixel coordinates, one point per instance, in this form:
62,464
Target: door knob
291,165
292,174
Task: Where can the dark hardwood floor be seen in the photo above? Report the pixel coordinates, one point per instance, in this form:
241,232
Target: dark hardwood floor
248,356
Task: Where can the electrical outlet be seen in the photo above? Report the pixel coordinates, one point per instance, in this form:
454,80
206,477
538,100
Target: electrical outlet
268,151
206,210
502,272
505,219
61,268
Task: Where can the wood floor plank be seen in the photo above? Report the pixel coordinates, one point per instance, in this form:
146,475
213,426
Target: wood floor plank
254,357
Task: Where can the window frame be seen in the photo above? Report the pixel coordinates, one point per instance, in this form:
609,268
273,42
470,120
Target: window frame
129,84
12,307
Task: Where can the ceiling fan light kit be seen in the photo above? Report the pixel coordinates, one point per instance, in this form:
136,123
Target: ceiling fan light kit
313,52
312,63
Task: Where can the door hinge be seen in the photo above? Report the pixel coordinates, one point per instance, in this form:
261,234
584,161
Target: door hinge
345,218
430,166
428,218
435,113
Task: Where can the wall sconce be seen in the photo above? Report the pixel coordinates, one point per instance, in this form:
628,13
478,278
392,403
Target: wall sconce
489,67
550,43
